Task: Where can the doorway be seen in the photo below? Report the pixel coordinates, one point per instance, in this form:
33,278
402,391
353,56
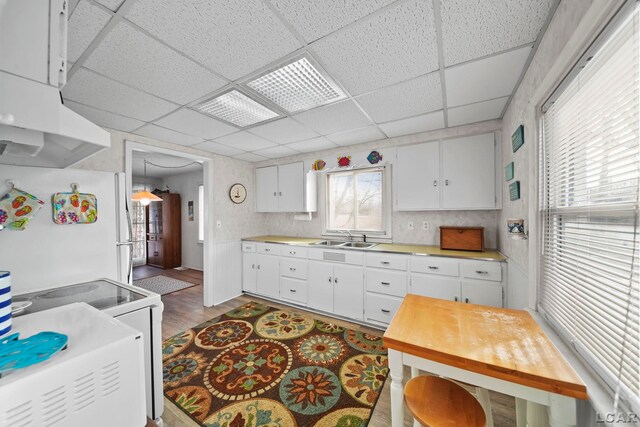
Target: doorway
179,181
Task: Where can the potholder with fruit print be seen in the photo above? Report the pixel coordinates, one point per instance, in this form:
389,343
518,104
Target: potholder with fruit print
74,208
17,207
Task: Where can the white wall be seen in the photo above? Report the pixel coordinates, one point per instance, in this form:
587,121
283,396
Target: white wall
284,224
187,186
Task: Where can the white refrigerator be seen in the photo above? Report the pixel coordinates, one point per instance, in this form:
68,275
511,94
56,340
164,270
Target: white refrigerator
46,254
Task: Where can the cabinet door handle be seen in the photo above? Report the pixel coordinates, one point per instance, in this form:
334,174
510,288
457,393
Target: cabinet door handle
446,182
455,299
258,266
385,283
280,193
253,266
335,280
292,269
384,262
275,194
330,280
385,310
267,250
466,300
433,268
292,252
435,182
293,290
482,272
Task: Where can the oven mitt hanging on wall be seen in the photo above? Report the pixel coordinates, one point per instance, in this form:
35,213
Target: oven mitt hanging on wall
74,208
17,207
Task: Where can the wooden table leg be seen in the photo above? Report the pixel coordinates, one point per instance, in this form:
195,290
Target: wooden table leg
562,411
397,391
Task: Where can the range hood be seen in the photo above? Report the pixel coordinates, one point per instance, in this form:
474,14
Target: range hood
36,129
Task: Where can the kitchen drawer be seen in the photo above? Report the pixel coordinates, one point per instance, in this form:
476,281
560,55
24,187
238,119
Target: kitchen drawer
268,248
386,282
248,247
381,308
344,256
434,265
294,251
433,286
291,267
293,289
393,262
482,270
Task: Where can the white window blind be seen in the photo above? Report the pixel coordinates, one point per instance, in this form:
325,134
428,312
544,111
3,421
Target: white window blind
589,181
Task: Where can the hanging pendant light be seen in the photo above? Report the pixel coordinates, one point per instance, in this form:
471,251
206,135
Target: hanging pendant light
145,197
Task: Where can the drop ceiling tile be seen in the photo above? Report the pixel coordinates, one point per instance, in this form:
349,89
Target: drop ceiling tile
214,147
478,28
245,141
250,157
132,57
283,131
357,136
484,79
405,99
413,125
314,144
275,152
168,135
86,21
234,37
196,124
315,19
396,45
105,118
100,92
477,112
334,118
111,4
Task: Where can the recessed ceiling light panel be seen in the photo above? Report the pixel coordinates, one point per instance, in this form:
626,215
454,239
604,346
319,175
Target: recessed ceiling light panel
297,86
237,108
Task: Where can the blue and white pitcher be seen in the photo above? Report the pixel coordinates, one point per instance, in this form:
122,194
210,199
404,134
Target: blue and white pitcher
5,302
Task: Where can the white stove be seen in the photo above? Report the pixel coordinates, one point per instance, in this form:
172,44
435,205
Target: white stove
131,305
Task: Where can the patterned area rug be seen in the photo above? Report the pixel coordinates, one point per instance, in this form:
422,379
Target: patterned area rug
162,284
260,366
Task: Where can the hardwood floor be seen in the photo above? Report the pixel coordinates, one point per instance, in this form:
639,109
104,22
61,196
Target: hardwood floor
184,309
188,275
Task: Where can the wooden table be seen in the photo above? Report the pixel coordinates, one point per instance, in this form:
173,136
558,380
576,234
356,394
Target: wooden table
493,348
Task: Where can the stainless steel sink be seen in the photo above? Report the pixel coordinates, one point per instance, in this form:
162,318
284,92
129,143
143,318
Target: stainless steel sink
359,245
330,243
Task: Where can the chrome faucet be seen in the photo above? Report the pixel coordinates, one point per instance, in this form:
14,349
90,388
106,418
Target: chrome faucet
347,233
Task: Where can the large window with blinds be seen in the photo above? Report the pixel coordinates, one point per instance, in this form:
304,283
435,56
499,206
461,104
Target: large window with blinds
589,194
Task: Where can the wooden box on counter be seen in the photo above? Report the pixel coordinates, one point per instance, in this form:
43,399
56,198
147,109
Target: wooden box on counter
462,238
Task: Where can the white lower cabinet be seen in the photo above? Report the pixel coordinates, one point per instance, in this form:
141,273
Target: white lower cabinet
268,275
249,272
336,288
366,286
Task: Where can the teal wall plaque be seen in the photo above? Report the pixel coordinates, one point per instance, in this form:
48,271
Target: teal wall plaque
514,190
508,171
517,139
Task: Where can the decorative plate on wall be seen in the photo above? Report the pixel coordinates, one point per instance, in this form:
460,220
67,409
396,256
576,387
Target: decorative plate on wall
237,193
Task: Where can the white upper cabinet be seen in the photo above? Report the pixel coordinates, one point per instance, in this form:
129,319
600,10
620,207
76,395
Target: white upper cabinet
418,177
453,174
33,40
469,173
286,188
291,187
267,189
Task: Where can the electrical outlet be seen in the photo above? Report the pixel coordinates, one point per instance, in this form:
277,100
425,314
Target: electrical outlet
410,225
219,224
425,225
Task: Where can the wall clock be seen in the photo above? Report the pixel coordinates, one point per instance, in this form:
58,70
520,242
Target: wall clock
237,193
